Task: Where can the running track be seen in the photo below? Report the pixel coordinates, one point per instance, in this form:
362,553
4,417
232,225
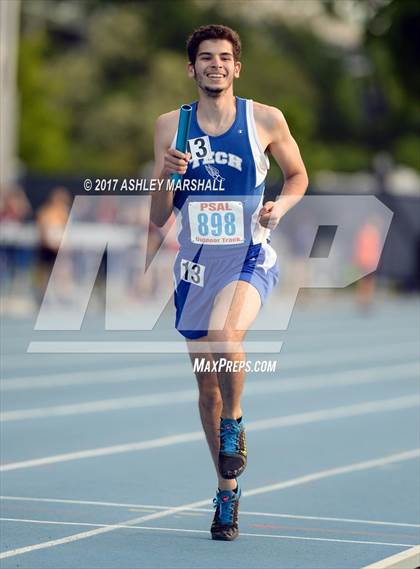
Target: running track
104,462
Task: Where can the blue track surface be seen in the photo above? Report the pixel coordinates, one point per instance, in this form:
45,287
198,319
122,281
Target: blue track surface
91,442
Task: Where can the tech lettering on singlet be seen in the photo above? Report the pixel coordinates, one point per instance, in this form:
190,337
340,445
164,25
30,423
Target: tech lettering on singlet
221,195
222,191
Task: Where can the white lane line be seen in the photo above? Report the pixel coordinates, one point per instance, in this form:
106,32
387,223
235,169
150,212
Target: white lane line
369,464
382,331
377,406
325,330
174,347
138,373
405,560
260,387
55,523
102,405
206,510
329,519
100,530
182,530
301,360
106,451
24,361
146,347
356,467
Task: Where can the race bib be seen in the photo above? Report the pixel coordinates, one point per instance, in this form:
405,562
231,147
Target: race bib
216,223
199,147
192,272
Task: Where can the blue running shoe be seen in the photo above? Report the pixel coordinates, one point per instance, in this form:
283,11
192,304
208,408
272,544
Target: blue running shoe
232,454
225,521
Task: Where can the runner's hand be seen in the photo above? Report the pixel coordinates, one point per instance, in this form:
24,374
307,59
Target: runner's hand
175,162
269,215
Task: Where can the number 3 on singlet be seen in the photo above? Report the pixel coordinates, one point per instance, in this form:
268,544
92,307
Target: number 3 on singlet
199,147
216,223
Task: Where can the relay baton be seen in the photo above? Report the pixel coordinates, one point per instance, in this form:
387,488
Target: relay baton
182,136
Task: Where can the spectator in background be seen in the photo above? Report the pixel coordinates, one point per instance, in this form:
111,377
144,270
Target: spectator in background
300,242
15,246
15,205
51,220
144,283
367,250
107,208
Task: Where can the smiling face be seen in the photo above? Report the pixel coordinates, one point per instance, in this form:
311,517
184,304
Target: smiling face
215,67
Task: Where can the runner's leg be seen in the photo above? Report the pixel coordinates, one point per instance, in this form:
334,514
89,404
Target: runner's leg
210,407
234,310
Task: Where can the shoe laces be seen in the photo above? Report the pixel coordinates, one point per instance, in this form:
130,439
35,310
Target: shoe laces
229,439
225,513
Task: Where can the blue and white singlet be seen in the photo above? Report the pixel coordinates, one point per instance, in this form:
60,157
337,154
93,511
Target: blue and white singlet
217,207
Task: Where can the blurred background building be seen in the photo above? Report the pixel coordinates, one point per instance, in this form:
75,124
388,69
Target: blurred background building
82,83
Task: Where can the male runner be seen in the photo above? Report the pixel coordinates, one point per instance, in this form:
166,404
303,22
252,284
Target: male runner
225,267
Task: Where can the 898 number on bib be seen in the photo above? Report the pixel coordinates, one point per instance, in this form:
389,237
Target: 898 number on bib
216,223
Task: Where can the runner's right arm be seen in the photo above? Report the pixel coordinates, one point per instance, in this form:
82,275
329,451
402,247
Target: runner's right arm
167,161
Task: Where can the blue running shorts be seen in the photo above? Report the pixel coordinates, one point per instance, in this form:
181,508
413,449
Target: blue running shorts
200,277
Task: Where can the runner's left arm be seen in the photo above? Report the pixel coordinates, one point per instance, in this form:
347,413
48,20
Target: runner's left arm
286,153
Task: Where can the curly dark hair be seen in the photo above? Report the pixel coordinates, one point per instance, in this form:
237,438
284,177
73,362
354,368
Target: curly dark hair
213,32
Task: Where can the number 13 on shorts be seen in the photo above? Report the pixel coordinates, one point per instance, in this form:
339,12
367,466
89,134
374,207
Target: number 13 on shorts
192,272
